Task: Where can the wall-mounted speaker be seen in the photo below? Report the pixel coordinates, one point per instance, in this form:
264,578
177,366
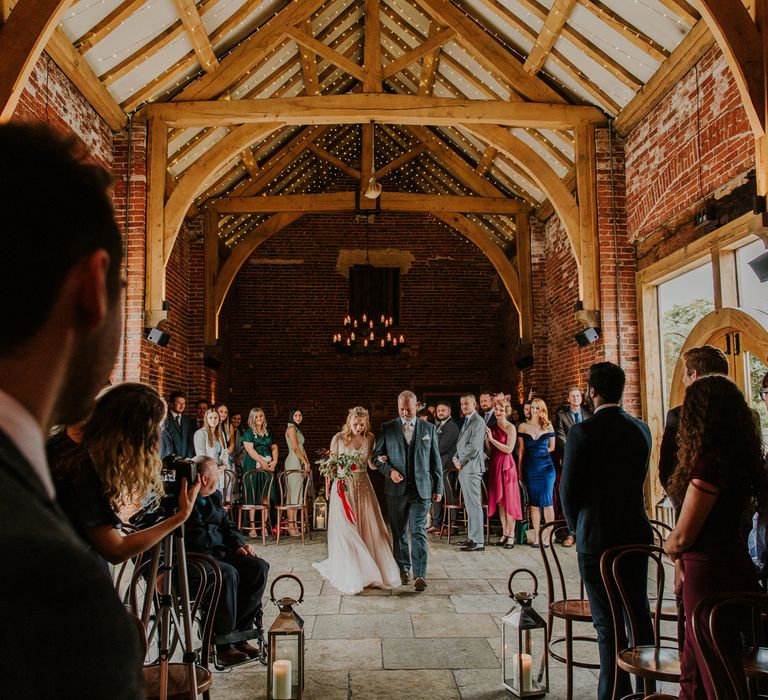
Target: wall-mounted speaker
158,337
524,362
587,336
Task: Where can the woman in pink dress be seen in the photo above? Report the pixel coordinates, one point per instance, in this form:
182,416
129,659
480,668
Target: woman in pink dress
503,491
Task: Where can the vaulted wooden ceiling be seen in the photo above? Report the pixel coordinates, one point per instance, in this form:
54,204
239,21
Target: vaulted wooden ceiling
582,52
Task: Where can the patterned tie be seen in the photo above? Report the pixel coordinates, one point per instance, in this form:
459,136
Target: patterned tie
408,432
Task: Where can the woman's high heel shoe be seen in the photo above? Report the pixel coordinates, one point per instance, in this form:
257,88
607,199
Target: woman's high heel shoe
502,542
510,543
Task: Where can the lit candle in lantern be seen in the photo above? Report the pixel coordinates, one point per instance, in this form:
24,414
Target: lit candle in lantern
523,662
394,342
382,318
370,324
349,342
281,680
382,342
389,337
352,335
355,323
320,522
402,339
371,336
365,343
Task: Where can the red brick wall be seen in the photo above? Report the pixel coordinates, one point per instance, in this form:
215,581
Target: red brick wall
694,141
289,299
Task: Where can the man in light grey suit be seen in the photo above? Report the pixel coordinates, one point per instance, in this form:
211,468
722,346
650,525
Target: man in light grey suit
407,454
470,460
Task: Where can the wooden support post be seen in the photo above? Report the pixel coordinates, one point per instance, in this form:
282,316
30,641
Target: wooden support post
366,156
154,294
725,280
586,187
211,240
372,57
523,241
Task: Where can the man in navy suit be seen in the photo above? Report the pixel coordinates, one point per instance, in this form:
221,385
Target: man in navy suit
64,629
407,454
604,470
178,429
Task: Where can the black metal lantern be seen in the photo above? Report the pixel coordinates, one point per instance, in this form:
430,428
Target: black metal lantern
525,663
285,669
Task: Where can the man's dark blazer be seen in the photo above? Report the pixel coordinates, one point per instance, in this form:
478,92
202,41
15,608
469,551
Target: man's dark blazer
428,472
601,490
668,449
178,440
564,423
210,530
447,435
61,620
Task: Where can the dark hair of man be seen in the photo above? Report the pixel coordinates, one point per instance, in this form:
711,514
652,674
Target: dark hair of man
608,380
449,407
485,392
175,395
56,211
705,360
202,401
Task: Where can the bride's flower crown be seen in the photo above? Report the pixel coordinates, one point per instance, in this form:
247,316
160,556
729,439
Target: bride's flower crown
358,412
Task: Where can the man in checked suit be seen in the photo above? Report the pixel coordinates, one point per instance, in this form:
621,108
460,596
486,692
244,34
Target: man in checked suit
59,613
604,470
406,453
470,460
178,429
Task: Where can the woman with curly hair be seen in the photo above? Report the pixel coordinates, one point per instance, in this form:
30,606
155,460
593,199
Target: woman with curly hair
720,479
115,464
535,444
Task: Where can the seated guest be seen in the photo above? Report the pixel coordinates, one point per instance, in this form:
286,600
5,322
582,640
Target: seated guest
178,429
604,471
114,463
425,415
244,575
720,477
209,441
535,443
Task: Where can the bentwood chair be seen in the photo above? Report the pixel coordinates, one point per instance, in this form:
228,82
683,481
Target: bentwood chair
256,491
733,681
670,612
651,662
453,504
561,605
300,507
229,479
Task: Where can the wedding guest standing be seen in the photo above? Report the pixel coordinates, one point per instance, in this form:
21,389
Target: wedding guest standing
178,429
226,431
535,444
235,421
209,441
470,461
296,460
447,435
260,453
503,489
201,408
720,477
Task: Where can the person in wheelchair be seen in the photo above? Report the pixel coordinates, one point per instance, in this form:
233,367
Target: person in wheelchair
244,575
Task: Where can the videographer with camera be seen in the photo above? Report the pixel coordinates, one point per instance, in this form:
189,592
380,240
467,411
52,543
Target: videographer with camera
210,531
117,463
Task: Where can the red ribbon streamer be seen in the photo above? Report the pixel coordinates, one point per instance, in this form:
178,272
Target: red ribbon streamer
343,496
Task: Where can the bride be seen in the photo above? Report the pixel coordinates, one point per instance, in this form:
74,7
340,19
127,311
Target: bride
359,554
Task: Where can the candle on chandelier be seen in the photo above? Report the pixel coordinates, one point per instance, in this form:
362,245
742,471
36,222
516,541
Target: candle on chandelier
402,339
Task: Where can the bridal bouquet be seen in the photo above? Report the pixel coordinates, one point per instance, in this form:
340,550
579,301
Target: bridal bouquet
340,467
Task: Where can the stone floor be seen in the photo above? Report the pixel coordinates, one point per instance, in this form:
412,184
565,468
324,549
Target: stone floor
443,643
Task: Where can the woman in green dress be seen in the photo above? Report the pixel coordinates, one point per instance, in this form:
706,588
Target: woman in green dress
260,454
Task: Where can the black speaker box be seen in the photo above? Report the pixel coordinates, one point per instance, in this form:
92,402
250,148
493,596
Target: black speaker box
760,266
158,337
587,336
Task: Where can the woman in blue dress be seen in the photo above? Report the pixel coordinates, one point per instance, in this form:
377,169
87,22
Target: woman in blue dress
535,443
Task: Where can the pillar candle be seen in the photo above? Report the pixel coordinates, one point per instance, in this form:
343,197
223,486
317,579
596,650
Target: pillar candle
281,680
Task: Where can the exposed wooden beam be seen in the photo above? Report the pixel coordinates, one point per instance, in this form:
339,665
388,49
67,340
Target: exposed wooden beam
76,68
545,210
586,186
524,264
23,36
490,52
390,201
432,44
250,163
742,45
309,64
334,161
683,10
629,32
195,177
429,63
329,54
157,154
182,67
250,52
362,108
485,162
683,58
367,157
372,47
107,25
401,160
211,244
197,33
549,34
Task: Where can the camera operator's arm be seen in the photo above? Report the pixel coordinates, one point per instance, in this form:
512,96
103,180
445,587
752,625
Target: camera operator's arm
117,548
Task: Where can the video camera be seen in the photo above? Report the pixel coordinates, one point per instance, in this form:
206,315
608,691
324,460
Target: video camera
174,469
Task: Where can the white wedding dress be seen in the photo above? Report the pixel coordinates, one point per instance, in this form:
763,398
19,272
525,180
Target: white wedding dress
359,555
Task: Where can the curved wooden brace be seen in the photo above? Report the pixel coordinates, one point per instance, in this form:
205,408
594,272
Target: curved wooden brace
23,37
741,42
192,180
242,251
542,174
749,322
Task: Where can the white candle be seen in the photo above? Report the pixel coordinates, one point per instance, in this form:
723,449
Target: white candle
281,680
522,662
320,522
